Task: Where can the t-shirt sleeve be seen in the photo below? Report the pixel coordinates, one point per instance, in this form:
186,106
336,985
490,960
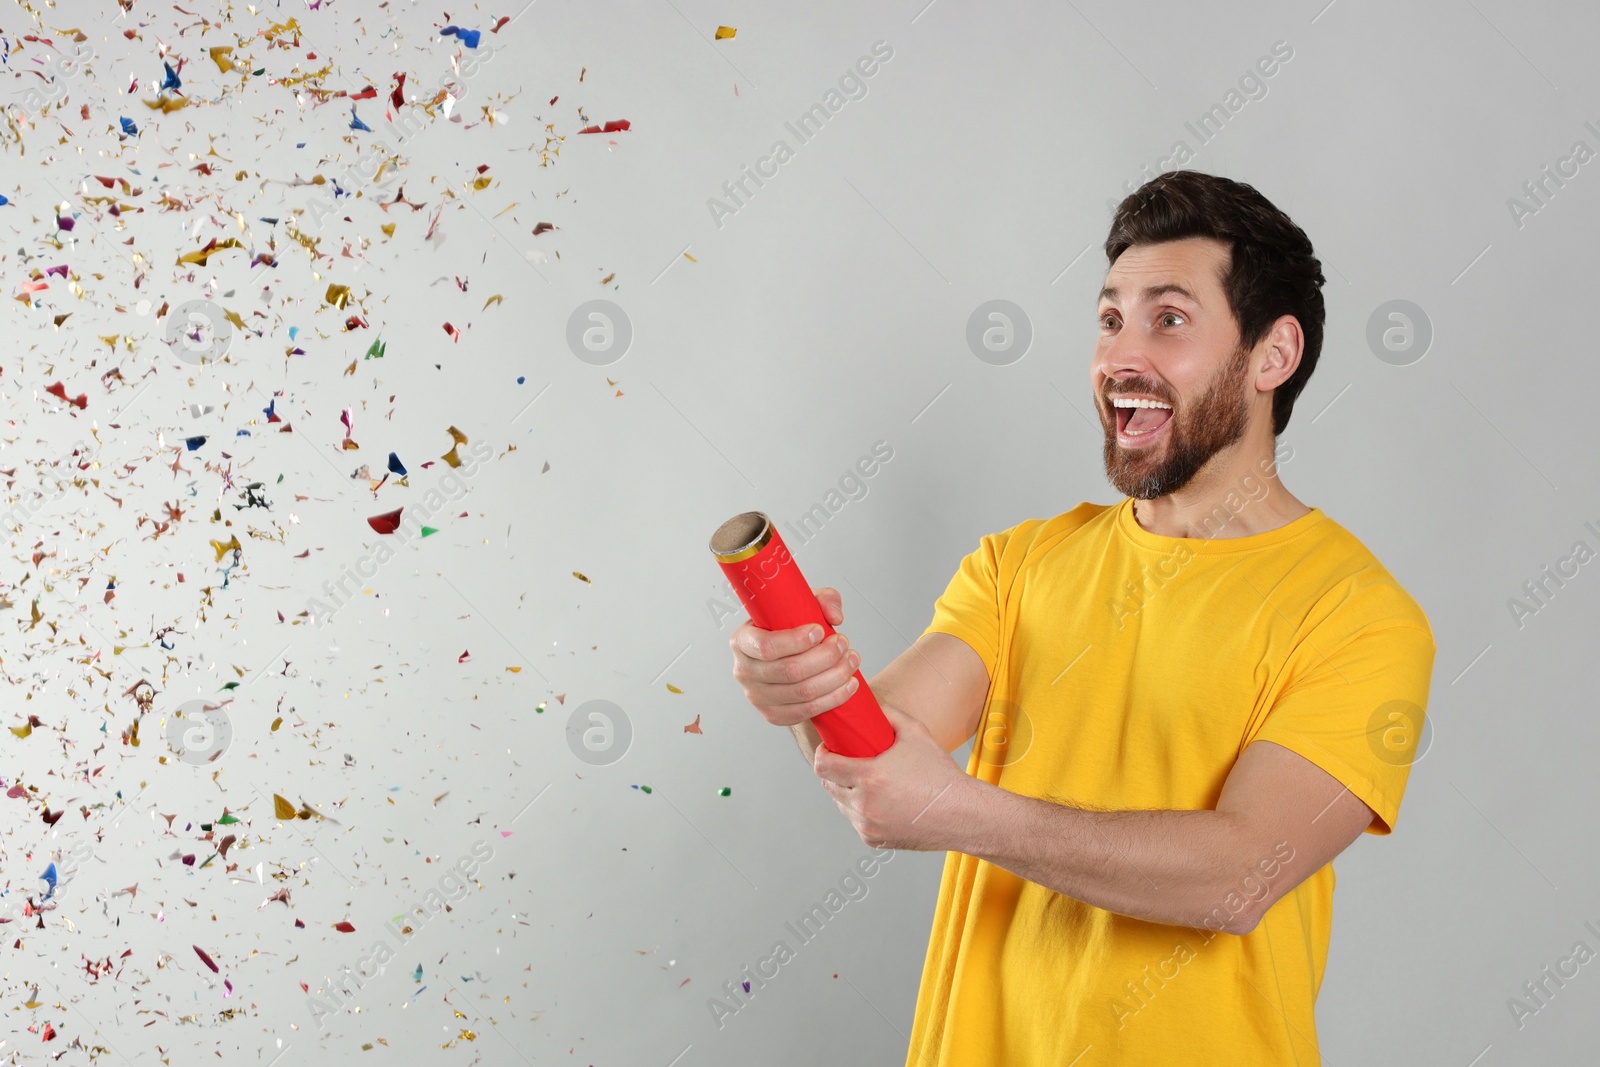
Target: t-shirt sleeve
1357,712
969,608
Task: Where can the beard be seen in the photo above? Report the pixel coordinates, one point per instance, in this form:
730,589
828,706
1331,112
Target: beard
1218,420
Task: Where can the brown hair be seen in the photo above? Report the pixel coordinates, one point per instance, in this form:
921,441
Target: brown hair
1273,270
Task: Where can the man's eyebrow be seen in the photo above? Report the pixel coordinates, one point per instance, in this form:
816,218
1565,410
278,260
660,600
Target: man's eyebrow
1151,292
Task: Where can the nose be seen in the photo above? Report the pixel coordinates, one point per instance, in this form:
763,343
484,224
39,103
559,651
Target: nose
1117,359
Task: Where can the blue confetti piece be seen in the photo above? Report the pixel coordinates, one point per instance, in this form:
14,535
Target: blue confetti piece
467,37
4,201
129,128
355,121
171,81
49,876
395,465
195,442
418,975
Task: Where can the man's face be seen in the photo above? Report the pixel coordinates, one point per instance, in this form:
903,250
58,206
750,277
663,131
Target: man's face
1174,346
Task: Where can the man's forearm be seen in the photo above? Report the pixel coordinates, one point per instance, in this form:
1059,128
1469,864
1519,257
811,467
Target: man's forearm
1176,867
806,736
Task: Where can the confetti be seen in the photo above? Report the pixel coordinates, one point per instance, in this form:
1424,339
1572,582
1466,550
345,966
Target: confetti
387,523
466,37
725,32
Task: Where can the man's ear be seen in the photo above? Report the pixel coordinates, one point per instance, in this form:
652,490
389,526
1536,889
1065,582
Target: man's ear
1281,356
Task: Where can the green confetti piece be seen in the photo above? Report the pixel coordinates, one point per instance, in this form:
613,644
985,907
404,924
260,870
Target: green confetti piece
643,788
226,820
230,685
377,350
542,705
428,531
724,792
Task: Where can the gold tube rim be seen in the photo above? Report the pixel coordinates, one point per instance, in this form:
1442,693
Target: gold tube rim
743,552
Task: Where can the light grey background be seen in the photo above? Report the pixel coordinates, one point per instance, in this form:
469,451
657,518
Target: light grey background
828,313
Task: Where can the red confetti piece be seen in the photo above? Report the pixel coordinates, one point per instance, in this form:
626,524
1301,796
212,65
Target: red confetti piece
198,951
345,927
60,390
455,334
387,523
466,655
614,126
366,94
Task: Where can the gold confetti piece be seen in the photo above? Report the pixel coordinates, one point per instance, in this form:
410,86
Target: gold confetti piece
607,279
672,688
724,32
440,797
199,256
282,808
460,439
690,258
220,55
167,104
24,730
232,545
388,229
581,578
277,723
495,299
337,295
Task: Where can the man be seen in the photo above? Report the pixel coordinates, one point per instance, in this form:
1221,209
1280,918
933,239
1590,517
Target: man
1183,706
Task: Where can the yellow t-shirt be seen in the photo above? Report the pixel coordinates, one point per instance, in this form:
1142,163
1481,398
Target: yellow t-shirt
1129,671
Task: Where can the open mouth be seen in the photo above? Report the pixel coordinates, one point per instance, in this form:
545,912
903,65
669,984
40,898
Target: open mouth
1140,418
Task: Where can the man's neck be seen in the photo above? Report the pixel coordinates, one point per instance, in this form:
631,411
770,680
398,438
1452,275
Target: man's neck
1241,498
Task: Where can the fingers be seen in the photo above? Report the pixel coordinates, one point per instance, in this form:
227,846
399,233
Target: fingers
787,657
832,604
793,687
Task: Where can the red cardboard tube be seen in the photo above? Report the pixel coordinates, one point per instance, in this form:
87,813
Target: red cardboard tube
768,582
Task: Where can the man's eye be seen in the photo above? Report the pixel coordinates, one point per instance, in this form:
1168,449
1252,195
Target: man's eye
1171,315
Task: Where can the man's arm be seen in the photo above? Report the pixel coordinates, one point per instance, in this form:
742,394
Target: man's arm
1279,819
940,680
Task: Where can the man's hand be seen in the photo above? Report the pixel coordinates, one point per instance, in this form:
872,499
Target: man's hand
787,676
911,795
